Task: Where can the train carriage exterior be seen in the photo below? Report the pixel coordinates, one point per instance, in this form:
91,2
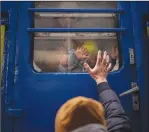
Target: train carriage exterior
34,34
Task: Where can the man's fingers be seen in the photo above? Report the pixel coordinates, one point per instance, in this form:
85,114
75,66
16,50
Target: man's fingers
105,55
109,67
107,60
87,67
104,58
98,58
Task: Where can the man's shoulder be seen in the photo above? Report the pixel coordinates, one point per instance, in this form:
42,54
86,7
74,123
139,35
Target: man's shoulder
122,130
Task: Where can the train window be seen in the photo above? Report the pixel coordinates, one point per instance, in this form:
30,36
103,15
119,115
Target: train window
66,52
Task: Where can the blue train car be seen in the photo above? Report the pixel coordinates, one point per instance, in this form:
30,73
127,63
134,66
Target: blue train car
35,40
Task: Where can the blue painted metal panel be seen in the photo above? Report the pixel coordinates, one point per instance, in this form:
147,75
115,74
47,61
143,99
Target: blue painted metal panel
6,5
142,60
76,29
82,10
3,22
126,43
7,93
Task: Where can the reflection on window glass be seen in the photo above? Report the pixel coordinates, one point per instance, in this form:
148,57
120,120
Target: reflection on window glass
66,52
76,4
75,20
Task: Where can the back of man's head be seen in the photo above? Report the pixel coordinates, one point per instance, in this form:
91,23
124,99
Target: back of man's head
80,114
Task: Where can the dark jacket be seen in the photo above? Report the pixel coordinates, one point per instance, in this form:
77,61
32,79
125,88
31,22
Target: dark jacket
117,121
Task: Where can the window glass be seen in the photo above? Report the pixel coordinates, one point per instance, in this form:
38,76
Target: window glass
76,4
66,52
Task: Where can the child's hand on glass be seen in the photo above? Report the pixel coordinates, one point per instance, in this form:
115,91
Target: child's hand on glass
82,53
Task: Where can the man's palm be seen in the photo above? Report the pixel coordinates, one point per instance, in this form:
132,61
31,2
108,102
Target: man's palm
101,69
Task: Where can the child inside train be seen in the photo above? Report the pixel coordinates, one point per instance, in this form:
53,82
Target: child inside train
74,60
